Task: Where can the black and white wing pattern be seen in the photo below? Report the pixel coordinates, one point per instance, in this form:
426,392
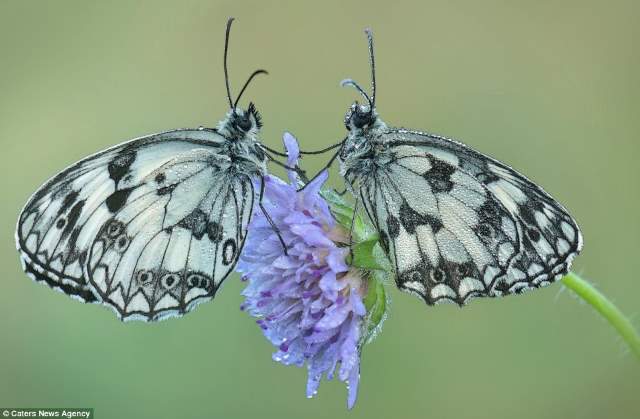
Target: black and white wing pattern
457,224
150,227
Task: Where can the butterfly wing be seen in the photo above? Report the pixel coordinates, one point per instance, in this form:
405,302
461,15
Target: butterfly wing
457,224
70,228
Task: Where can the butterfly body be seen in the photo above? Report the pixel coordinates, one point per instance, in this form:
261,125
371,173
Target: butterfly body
455,223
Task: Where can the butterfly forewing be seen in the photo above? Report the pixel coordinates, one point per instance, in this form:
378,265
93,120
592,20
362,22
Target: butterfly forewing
457,224
149,227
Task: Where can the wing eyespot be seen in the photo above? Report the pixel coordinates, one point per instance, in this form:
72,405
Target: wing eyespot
229,251
114,229
193,280
169,281
121,243
198,281
438,275
144,277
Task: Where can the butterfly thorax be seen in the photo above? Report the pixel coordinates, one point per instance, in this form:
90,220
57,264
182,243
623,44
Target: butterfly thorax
242,148
363,151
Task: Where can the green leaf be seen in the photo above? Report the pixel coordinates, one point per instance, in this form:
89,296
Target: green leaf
343,213
364,256
367,256
376,304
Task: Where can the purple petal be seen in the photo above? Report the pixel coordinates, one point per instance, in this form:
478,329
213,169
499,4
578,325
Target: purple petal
352,387
293,154
308,301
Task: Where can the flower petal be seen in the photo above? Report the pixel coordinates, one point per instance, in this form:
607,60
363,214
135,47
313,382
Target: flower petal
308,302
293,154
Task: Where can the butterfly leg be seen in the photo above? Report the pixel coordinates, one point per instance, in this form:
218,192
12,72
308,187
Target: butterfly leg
268,217
328,165
299,171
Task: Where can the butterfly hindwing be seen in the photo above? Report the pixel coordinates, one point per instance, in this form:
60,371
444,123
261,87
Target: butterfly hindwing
457,224
427,213
61,221
173,244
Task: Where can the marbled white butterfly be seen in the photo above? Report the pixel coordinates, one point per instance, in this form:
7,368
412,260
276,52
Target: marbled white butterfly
150,227
455,224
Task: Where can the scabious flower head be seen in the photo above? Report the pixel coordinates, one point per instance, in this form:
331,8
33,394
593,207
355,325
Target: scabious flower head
309,302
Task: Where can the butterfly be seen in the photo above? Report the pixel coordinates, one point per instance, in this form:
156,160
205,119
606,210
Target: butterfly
455,223
153,226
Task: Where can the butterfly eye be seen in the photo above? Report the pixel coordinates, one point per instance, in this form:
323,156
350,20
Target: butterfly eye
361,120
244,123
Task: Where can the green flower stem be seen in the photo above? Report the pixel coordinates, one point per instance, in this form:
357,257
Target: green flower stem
606,308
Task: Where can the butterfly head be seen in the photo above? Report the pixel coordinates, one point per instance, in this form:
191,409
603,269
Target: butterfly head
360,117
240,123
363,123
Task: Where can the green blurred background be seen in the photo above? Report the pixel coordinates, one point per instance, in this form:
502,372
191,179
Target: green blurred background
549,87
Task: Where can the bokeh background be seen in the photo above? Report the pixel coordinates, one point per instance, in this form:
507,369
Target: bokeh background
550,87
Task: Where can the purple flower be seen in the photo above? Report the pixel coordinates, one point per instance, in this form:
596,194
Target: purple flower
309,301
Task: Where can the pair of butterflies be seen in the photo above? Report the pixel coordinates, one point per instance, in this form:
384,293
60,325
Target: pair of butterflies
153,226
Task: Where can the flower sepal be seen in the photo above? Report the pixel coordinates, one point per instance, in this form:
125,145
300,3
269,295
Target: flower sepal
364,255
376,303
342,211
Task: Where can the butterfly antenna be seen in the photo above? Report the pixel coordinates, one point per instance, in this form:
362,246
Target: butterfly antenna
226,50
372,62
255,73
352,83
